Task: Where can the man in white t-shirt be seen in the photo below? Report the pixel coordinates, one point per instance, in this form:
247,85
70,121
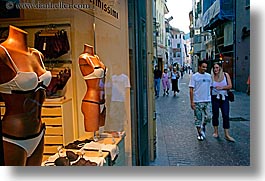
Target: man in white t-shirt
200,98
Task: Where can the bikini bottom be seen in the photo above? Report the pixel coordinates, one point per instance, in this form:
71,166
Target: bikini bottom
102,115
29,144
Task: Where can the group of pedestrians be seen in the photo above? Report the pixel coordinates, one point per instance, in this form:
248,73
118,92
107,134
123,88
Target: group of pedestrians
208,95
167,77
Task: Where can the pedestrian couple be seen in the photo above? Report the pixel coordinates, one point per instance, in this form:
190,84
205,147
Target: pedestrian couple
174,76
206,91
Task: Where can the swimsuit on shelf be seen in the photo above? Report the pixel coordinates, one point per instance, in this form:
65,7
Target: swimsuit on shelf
29,144
25,81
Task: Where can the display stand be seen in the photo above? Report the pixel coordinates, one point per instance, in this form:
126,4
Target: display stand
92,150
117,139
58,118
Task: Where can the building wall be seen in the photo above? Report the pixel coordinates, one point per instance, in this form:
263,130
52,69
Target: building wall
187,41
151,101
161,10
242,57
178,42
169,47
197,27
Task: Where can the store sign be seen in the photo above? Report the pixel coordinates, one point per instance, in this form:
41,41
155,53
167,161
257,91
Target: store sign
106,7
106,10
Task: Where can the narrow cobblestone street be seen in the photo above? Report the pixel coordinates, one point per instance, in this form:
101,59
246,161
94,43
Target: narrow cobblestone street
177,144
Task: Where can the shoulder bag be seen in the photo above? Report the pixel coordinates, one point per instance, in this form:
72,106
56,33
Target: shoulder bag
231,96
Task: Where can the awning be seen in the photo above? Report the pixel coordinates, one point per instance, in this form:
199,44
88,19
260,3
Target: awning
220,10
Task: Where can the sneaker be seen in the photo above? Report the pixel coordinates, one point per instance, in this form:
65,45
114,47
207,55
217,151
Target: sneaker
200,137
203,130
202,133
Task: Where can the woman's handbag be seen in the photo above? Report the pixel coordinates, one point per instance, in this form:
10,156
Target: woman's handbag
231,96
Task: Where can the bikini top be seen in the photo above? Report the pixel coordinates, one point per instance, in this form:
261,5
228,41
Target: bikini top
25,81
98,72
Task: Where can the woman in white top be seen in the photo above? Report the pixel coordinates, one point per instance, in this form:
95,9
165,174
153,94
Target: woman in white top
221,84
175,81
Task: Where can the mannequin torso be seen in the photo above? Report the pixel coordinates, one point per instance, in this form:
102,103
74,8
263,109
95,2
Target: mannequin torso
23,67
93,71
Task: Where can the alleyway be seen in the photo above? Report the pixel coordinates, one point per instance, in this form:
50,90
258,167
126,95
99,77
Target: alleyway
177,144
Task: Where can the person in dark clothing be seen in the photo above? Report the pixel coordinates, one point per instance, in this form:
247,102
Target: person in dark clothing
221,83
175,81
157,77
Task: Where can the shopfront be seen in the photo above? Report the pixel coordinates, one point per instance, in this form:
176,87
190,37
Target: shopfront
100,26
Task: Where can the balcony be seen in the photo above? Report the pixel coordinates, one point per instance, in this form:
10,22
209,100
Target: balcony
219,11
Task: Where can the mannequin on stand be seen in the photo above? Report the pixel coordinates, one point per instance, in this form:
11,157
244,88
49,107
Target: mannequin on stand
23,79
93,103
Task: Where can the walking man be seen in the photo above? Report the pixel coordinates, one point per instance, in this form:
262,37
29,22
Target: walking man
157,77
200,98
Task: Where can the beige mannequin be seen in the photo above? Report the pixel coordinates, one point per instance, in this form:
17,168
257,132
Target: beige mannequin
23,110
95,95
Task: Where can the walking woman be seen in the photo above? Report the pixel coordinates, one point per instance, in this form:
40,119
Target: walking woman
221,84
165,82
174,79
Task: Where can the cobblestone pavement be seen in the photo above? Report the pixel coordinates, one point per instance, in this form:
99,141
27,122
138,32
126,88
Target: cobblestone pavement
177,143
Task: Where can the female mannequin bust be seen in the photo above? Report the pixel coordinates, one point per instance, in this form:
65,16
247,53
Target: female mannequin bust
93,71
23,79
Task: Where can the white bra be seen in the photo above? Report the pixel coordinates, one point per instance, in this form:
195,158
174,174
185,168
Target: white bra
25,81
98,72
